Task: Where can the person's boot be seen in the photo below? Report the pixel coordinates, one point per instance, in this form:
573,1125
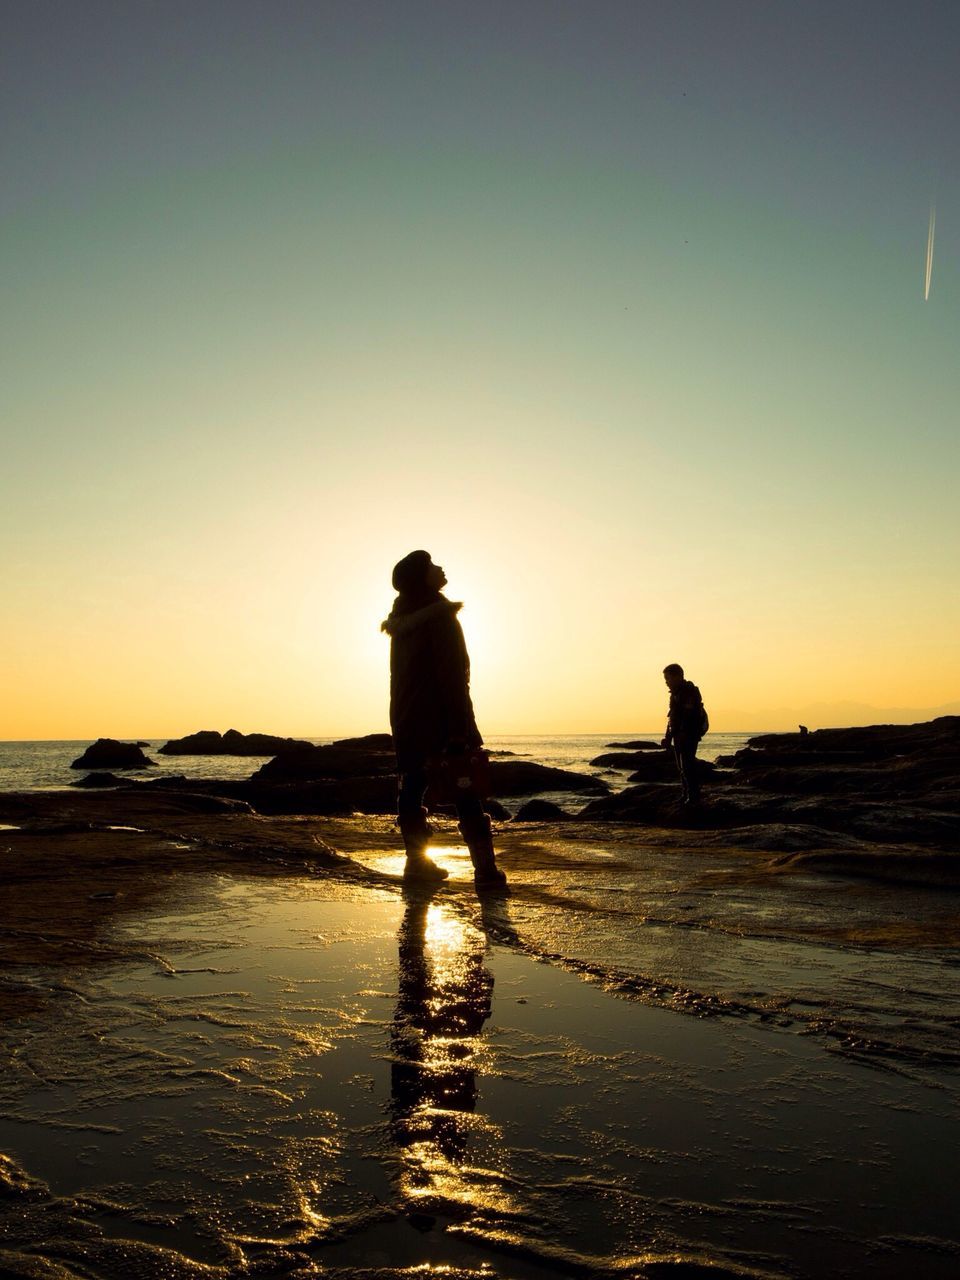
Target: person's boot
478,838
416,836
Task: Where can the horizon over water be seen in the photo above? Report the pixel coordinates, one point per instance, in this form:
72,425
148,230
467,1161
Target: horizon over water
44,763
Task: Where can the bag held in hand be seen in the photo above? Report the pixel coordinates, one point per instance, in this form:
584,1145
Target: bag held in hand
450,777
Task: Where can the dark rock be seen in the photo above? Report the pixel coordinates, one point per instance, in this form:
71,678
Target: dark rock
625,760
326,796
99,780
191,796
662,767
369,742
888,785
108,753
209,742
61,829
897,763
659,804
350,758
882,823
496,810
635,746
752,757
524,778
350,777
649,766
541,811
377,793
874,742
361,758
334,797
654,804
837,780
197,802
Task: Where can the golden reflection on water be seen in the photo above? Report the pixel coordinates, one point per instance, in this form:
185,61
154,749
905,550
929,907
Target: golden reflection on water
446,939
445,996
316,1220
455,859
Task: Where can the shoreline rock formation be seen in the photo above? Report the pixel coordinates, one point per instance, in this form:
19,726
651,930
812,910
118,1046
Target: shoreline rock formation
889,785
209,742
839,798
108,753
358,775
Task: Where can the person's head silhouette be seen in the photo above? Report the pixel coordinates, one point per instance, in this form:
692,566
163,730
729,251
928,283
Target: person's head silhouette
417,576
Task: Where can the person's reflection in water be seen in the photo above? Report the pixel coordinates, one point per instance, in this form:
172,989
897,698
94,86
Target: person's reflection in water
445,997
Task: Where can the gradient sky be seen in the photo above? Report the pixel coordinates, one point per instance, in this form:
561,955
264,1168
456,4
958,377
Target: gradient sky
616,308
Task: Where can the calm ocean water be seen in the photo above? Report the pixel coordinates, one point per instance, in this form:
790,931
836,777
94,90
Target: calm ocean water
33,766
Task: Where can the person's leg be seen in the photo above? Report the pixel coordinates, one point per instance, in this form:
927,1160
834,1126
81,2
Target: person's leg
411,815
688,769
478,837
412,821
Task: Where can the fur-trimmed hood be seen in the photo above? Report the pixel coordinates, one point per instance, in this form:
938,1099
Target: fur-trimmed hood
401,623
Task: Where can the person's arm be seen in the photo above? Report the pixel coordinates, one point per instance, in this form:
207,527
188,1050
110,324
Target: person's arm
668,732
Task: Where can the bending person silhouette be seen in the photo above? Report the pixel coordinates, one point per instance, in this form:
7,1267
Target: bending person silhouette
431,715
686,724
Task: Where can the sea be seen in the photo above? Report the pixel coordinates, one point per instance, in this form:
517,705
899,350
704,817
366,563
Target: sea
45,765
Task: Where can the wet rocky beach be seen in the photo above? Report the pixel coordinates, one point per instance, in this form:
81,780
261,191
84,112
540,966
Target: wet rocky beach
234,1045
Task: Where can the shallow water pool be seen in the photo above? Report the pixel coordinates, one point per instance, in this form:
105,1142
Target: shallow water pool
294,1073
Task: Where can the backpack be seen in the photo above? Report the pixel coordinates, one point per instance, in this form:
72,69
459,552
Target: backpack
704,721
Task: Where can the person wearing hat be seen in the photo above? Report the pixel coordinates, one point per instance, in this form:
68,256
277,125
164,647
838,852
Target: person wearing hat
431,714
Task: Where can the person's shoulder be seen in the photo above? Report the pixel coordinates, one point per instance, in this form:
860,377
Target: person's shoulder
433,615
445,609
445,615
437,619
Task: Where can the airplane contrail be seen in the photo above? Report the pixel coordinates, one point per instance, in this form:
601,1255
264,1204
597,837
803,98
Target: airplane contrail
929,271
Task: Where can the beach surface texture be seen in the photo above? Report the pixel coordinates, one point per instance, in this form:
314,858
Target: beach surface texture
234,1045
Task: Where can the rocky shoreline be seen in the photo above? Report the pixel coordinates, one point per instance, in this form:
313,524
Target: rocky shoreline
880,796
879,799
883,783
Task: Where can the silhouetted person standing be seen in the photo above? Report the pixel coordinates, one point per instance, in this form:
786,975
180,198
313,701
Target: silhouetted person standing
686,724
431,714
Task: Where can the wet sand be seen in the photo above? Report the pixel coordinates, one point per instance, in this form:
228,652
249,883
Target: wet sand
229,1051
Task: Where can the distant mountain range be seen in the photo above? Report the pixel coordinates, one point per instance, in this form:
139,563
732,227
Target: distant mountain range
827,715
